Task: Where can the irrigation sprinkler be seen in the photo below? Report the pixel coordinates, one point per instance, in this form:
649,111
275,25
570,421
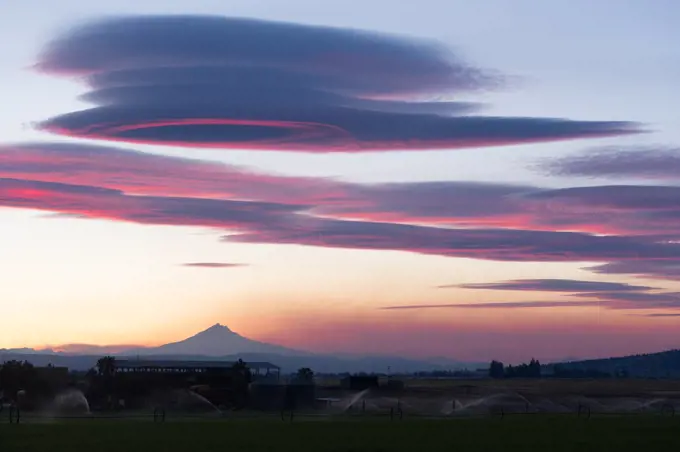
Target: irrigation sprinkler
14,414
159,414
291,415
668,409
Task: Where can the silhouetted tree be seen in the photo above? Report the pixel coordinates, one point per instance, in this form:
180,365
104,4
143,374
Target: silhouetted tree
16,376
106,366
304,375
496,369
106,369
534,369
241,379
524,370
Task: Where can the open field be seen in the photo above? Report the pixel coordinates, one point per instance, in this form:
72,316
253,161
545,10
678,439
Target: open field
529,432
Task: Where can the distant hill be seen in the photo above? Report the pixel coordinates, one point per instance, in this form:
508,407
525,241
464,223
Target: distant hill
652,365
220,343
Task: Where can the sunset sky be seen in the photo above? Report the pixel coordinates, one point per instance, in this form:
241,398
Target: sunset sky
479,180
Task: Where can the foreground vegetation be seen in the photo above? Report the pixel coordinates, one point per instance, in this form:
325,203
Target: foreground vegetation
541,433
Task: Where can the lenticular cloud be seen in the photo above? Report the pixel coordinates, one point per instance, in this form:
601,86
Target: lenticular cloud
204,81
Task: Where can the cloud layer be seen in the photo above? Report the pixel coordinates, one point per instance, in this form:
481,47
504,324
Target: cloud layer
654,162
213,265
251,84
102,203
492,244
142,173
654,269
626,300
503,305
555,285
486,221
627,210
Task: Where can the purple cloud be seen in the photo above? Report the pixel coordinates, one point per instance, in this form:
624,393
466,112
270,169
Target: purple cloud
505,222
143,173
656,163
226,82
611,300
462,204
505,305
635,300
652,269
490,244
213,265
554,285
661,315
102,203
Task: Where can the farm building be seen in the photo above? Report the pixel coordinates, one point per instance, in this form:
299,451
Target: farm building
258,370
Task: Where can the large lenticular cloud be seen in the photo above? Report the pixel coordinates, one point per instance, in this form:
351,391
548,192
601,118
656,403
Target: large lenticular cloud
250,84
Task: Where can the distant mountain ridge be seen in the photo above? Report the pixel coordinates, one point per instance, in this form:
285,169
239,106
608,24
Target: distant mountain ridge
220,342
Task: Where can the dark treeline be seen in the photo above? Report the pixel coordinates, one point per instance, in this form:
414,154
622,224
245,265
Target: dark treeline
34,387
531,370
19,378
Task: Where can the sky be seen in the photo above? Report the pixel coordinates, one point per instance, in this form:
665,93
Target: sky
431,178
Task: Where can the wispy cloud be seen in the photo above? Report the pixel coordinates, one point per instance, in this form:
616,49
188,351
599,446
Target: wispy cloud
661,315
267,222
629,301
102,203
661,162
171,80
636,300
647,268
609,295
142,173
505,222
554,285
213,265
491,244
502,305
638,210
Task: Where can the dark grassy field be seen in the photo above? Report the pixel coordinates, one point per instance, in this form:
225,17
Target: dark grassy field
540,433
